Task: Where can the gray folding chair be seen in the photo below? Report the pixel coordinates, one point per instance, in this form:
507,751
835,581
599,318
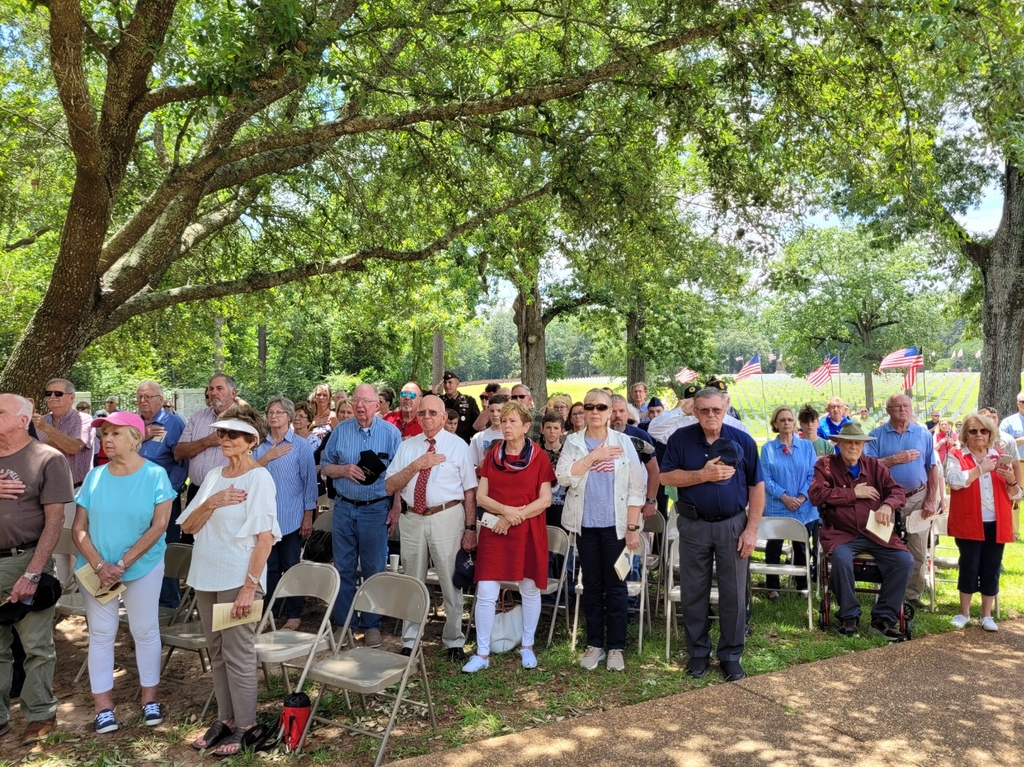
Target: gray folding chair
71,601
633,589
371,670
656,526
787,529
306,579
673,593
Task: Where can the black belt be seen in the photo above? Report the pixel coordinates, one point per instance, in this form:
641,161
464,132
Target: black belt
690,513
363,503
17,551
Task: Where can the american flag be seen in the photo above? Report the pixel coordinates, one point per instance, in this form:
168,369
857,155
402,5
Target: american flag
686,376
752,368
910,377
822,375
902,358
833,365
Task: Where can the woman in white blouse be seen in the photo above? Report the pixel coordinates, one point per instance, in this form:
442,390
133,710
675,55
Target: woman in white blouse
234,521
982,491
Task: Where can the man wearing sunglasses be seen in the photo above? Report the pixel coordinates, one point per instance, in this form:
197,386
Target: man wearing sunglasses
464,405
72,434
404,419
199,443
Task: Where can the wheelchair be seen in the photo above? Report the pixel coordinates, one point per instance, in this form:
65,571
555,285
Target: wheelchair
865,571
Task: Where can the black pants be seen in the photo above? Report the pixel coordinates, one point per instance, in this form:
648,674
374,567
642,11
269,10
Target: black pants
773,553
604,594
979,563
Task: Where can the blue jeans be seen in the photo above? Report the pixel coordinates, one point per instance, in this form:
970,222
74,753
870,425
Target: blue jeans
360,539
170,591
283,556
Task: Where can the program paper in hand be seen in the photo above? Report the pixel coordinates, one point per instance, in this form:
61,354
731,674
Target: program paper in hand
222,615
883,532
90,581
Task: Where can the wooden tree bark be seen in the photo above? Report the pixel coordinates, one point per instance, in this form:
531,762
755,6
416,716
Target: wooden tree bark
636,363
528,313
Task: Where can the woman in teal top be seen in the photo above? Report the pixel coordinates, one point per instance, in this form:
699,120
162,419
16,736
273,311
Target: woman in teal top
119,527
788,466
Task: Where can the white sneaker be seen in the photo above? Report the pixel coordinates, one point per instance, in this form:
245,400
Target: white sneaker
592,657
989,625
615,661
959,621
476,663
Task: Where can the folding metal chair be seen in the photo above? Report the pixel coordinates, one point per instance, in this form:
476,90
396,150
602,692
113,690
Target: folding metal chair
306,579
787,529
656,527
673,593
633,589
370,670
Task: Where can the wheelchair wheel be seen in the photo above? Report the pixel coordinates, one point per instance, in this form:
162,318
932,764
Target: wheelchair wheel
821,621
908,630
908,611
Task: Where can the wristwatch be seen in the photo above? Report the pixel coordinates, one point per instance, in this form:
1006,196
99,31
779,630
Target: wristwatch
252,578
471,527
653,500
121,564
31,577
632,528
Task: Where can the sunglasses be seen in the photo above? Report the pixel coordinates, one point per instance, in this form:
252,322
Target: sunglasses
408,395
519,396
431,413
978,431
595,406
231,434
51,393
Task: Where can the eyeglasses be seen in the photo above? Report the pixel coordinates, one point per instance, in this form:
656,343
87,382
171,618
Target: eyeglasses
52,393
365,400
978,431
431,413
275,413
408,395
231,434
711,410
519,396
149,396
577,414
599,407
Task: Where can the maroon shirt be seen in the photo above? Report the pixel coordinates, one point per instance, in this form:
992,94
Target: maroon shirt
846,516
410,429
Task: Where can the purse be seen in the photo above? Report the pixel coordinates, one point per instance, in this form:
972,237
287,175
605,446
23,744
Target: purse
507,631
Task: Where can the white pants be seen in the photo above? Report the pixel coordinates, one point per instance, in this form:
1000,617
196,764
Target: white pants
141,599
437,537
486,599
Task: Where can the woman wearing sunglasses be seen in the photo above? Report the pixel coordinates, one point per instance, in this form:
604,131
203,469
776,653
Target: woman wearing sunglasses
605,495
982,491
234,521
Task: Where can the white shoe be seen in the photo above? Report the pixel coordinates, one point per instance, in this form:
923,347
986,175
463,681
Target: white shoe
529,658
615,660
989,625
959,621
476,663
592,657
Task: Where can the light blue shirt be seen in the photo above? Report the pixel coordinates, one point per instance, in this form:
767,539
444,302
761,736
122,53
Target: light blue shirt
599,494
1014,426
889,442
295,479
347,441
788,473
120,510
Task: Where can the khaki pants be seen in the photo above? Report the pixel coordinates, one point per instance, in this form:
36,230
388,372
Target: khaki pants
437,537
917,545
36,633
233,659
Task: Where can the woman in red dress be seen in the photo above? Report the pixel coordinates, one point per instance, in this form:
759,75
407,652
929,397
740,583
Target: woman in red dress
515,486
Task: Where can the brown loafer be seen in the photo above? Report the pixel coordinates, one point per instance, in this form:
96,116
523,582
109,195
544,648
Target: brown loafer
37,730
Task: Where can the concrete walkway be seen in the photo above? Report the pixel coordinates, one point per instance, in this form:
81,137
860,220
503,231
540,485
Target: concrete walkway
955,699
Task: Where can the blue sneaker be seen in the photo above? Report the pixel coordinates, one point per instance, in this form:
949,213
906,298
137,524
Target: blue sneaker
105,721
152,714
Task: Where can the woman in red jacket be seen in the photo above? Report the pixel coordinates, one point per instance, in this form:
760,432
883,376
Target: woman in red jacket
982,490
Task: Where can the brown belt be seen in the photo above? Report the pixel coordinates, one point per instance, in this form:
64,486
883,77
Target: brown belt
435,509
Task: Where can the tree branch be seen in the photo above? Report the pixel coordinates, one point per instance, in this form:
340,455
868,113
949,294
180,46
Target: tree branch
66,25
29,240
564,307
144,302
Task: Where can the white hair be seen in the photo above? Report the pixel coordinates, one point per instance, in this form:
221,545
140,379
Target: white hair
24,406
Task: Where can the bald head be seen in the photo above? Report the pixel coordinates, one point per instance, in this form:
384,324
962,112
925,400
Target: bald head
431,414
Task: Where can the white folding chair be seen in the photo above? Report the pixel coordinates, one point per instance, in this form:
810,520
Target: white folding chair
306,579
633,589
370,670
655,526
673,593
787,529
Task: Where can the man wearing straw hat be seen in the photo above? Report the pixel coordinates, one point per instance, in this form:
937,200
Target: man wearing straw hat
849,488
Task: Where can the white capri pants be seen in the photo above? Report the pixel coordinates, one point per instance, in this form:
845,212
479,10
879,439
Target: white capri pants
141,599
486,599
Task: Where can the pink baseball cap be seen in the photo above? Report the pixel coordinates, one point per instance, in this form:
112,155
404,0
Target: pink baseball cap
121,418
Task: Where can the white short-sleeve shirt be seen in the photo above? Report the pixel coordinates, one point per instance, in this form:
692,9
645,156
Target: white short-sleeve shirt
448,481
220,555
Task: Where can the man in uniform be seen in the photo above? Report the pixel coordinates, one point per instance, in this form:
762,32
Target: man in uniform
357,452
35,485
721,498
465,406
434,473
163,431
907,450
72,434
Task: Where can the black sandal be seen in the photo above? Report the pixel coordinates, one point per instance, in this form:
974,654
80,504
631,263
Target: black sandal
254,738
218,731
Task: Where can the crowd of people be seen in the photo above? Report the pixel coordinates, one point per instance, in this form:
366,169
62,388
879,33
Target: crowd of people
453,475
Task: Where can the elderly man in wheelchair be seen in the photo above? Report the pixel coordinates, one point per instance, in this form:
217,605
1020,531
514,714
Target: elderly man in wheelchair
855,493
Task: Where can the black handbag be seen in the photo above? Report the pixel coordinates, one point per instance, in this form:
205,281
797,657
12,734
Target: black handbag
319,547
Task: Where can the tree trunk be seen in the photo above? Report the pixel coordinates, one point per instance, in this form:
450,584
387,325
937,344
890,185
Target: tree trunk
869,385
218,344
636,363
261,352
1002,274
437,360
528,314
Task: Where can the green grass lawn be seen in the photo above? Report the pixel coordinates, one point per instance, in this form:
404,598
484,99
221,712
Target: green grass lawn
505,698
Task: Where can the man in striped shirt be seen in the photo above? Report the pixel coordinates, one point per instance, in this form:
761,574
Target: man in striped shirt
199,443
364,513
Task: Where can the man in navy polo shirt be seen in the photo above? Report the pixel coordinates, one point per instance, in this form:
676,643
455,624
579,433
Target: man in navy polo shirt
721,497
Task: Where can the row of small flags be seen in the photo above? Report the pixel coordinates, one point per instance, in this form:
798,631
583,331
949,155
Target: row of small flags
909,357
